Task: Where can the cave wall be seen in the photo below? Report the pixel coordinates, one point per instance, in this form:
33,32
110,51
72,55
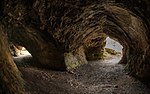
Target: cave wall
133,32
10,77
53,28
59,33
95,46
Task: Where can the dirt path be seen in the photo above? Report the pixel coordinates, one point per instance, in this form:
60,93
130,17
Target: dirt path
97,77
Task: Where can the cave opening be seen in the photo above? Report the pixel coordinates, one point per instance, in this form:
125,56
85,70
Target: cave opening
21,56
18,51
113,50
25,52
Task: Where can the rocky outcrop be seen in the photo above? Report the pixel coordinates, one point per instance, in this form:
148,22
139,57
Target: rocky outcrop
94,47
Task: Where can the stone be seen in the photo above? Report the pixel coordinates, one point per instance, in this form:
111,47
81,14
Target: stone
55,31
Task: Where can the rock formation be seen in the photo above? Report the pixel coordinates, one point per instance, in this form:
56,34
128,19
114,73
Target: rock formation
61,33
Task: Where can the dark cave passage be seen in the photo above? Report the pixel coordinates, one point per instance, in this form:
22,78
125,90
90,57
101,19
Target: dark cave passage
65,34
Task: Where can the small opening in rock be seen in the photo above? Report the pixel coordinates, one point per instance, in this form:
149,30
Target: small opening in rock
113,50
21,56
17,50
24,52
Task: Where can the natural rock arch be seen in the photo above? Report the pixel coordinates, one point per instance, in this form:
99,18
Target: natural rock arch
131,32
58,33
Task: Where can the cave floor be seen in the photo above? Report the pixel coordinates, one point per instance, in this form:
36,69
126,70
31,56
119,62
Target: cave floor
97,77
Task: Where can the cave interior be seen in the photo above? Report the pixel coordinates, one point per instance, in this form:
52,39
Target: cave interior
63,35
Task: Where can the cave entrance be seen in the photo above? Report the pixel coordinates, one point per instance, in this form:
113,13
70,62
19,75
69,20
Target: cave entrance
112,51
19,51
22,56
24,52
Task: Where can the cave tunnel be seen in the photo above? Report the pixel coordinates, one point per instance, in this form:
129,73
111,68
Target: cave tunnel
127,29
63,35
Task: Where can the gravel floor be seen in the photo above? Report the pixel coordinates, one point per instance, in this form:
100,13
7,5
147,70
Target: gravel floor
97,77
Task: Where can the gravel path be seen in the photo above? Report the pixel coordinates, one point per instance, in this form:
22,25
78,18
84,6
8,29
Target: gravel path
97,77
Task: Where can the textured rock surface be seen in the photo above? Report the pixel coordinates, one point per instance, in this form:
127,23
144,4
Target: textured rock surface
75,59
94,47
50,28
10,78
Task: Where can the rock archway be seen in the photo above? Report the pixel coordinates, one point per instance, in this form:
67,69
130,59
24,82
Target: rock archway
59,33
132,33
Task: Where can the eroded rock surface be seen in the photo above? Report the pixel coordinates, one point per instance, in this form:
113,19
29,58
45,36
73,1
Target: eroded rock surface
50,29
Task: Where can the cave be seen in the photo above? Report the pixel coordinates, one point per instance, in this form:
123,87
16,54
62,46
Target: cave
64,35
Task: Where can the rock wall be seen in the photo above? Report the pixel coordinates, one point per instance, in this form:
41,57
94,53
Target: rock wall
55,30
10,77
